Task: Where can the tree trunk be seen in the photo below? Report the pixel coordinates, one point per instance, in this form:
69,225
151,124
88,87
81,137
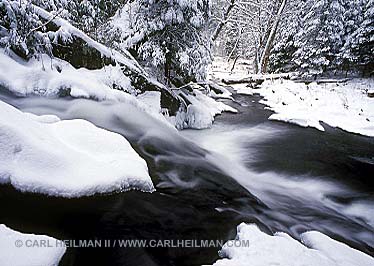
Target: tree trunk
269,43
233,66
255,62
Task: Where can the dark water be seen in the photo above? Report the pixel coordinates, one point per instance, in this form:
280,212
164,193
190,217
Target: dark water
257,171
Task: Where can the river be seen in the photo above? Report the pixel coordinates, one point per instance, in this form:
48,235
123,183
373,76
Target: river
244,169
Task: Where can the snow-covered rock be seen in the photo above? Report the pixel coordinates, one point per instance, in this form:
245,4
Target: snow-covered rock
343,105
69,158
17,249
255,248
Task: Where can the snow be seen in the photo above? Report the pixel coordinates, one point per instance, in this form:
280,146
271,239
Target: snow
57,77
343,105
221,69
218,91
66,31
152,99
10,255
33,78
338,252
67,158
201,111
242,88
25,78
256,248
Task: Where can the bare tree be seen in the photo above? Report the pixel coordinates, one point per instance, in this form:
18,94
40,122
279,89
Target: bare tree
247,28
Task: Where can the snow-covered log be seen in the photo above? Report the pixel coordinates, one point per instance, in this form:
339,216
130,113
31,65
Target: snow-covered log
258,79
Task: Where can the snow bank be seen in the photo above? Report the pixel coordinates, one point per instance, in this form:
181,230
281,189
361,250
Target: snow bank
69,158
11,255
346,105
201,111
255,248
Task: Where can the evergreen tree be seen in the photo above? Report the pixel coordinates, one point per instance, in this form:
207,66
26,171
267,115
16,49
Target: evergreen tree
320,39
359,48
281,59
353,19
18,29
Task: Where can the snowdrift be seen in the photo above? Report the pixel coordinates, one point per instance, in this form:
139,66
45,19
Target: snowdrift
69,158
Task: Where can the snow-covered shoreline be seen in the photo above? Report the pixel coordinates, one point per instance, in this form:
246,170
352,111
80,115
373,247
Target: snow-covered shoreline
344,105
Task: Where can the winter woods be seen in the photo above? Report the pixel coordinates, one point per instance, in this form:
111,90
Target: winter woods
311,37
175,41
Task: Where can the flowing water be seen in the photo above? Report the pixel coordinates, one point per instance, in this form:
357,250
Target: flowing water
244,169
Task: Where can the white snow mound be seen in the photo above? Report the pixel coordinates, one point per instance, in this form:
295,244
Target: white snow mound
255,248
69,158
29,253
